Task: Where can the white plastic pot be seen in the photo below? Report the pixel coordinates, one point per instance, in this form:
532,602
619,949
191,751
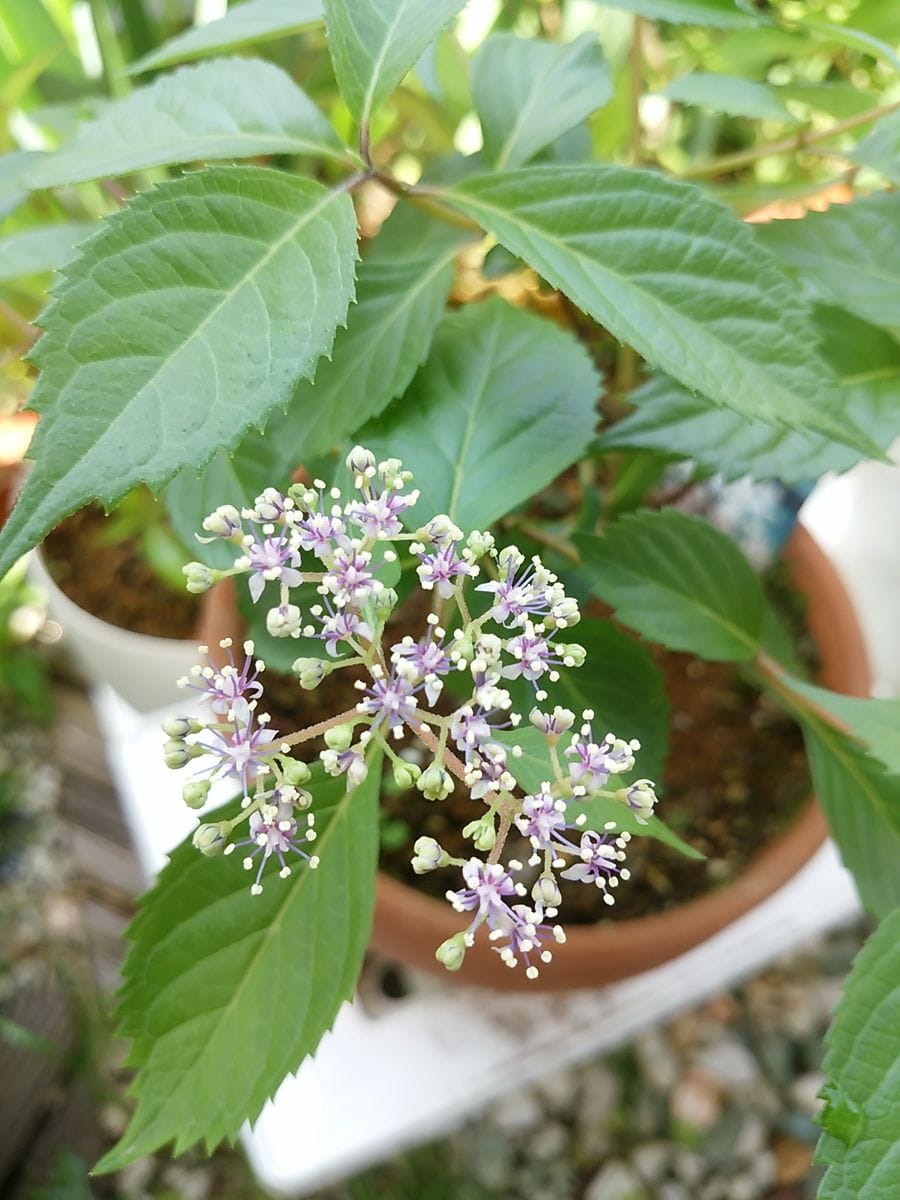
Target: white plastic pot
142,669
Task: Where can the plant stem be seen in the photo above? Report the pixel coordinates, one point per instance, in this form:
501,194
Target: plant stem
117,82
797,141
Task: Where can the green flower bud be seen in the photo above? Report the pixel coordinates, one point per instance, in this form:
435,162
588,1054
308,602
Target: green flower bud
195,794
177,754
479,543
384,603
572,655
179,727
482,832
546,891
210,839
311,671
361,461
199,577
452,953
435,783
406,774
339,737
428,856
295,773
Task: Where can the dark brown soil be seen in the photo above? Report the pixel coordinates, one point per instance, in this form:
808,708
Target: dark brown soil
113,580
735,776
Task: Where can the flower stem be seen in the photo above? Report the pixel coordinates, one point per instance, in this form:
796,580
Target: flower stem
304,735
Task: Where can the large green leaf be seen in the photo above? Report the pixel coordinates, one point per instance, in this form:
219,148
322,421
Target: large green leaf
730,94
874,722
862,805
226,993
678,581
504,403
252,22
528,92
670,419
859,1142
225,287
848,255
720,14
374,43
881,149
225,108
44,249
674,274
400,292
15,167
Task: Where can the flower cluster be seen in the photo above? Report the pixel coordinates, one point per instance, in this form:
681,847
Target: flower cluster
497,629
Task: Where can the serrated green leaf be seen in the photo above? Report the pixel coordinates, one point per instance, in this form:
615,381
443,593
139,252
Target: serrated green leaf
400,292
373,43
227,285
845,35
225,993
252,22
528,93
533,767
39,250
719,14
859,1141
677,580
225,108
862,805
503,404
874,722
670,419
881,149
839,100
674,274
729,94
848,255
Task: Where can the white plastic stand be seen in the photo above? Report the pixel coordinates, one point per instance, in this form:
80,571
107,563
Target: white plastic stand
385,1081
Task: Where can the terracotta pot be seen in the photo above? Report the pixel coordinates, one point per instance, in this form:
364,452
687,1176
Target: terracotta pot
409,925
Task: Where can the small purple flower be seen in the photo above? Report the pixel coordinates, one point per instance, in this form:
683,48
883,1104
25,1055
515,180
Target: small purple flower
601,856
391,698
348,762
240,751
273,558
275,831
594,763
534,656
228,689
379,517
442,569
518,597
470,729
543,820
320,532
488,886
349,579
343,626
524,936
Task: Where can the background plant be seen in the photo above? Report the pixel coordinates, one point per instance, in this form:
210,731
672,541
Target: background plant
572,162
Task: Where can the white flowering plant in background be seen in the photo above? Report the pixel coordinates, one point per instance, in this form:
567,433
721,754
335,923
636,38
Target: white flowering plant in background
426,285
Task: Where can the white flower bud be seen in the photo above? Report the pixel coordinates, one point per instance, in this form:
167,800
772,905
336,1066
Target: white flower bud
392,474
177,754
339,737
552,725
546,891
179,727
428,856
435,783
360,461
196,793
385,601
225,522
509,560
563,614
452,952
440,529
640,798
572,655
357,772
284,621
